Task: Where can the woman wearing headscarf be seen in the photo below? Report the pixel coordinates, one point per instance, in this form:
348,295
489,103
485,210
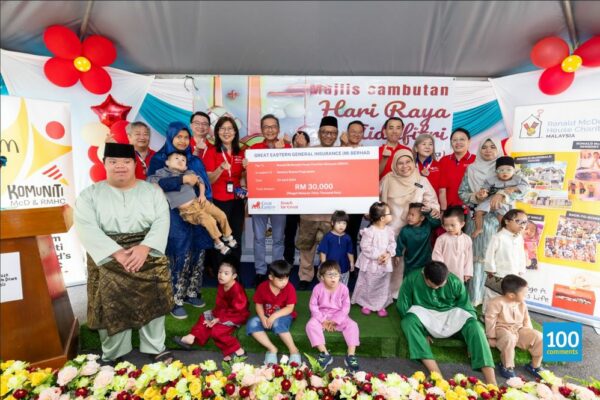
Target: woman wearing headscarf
186,243
485,164
404,185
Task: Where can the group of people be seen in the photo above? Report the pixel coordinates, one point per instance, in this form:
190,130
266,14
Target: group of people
443,233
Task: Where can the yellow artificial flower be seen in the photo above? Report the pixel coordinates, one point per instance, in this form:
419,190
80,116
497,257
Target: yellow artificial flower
460,391
419,375
443,384
479,388
37,378
157,397
4,385
465,397
4,366
195,387
450,395
491,387
150,393
10,398
177,364
436,376
171,393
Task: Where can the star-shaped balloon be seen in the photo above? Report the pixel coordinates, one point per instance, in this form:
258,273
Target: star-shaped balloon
111,111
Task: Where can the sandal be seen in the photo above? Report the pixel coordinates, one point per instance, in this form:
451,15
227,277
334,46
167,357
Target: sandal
239,357
181,343
164,356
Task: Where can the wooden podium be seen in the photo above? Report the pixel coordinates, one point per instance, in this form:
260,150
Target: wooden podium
40,328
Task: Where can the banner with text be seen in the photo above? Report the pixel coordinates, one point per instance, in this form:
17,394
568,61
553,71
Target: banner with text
563,205
37,168
312,180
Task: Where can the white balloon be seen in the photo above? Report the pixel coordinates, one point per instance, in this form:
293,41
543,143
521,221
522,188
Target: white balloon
294,110
279,113
94,133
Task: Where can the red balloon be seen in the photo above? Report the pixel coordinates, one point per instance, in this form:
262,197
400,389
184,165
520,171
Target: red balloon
62,42
96,80
61,72
98,172
590,52
549,52
119,132
110,111
99,50
554,80
93,154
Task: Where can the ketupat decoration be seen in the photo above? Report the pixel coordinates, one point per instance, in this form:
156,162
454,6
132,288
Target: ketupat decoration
84,378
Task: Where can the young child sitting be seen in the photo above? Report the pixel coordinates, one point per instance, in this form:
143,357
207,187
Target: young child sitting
275,300
505,182
336,245
330,309
196,210
230,312
454,248
414,240
377,244
507,325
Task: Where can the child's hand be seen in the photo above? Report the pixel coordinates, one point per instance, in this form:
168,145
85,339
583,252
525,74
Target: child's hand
202,199
211,323
467,278
482,194
269,322
429,339
329,326
264,321
384,258
190,179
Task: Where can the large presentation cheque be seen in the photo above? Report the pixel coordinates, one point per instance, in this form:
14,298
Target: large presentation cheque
313,180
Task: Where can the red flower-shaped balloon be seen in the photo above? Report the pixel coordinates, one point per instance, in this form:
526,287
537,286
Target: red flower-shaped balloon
552,53
74,60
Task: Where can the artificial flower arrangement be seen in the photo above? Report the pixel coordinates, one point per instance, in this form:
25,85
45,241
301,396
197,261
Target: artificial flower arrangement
84,378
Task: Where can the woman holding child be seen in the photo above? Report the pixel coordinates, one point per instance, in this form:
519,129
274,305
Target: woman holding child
404,185
186,243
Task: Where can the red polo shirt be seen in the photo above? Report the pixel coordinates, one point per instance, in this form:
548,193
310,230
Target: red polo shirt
272,302
141,165
212,160
388,164
432,172
454,170
201,153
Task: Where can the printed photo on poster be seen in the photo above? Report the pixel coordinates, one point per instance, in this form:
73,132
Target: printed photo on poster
548,199
584,191
588,167
533,233
577,237
542,172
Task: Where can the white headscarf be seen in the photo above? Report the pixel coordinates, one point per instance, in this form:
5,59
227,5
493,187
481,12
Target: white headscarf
481,169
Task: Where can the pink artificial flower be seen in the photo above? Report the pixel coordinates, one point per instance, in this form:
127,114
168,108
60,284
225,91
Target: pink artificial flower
544,392
515,382
104,378
414,395
335,385
66,375
90,368
52,393
316,381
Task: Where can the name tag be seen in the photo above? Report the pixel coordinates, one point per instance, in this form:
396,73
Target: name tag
418,185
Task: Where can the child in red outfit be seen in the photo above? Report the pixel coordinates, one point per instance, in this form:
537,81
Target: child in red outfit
231,311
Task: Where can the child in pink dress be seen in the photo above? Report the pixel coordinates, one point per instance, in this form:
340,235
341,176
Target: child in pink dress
455,248
377,246
330,309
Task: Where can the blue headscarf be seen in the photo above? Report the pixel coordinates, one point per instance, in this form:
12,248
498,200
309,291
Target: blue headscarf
159,159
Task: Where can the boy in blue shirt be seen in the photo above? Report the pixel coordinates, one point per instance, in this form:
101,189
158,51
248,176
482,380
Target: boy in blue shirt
336,245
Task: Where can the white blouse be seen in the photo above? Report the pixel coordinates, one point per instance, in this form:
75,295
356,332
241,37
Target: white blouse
505,254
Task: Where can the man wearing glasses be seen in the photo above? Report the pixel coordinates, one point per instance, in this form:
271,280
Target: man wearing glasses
314,226
269,126
138,134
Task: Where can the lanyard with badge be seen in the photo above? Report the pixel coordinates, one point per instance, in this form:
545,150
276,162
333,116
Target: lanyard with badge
229,185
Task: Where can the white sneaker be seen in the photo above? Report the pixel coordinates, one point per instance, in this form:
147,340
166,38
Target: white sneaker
231,242
222,248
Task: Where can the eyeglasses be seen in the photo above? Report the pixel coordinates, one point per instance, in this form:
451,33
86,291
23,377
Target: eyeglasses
226,130
270,127
387,214
196,123
332,275
520,222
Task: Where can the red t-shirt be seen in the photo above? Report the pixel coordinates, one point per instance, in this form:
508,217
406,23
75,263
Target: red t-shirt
141,165
263,145
432,172
212,160
271,302
201,153
454,170
388,164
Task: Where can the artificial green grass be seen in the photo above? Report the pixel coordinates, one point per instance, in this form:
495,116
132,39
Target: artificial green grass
379,337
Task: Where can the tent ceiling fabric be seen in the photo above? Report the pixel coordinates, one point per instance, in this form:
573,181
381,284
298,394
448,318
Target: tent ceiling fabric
463,39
